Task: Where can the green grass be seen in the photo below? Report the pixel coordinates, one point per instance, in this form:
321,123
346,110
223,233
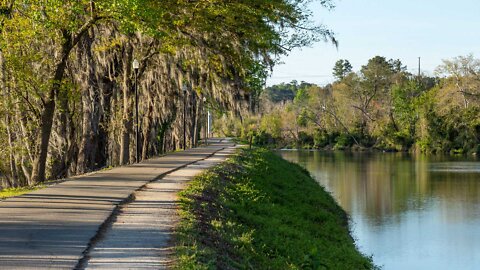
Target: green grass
12,192
258,211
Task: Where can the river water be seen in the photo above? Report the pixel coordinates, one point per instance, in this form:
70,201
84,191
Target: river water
408,212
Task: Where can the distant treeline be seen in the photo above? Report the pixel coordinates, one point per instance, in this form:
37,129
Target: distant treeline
381,106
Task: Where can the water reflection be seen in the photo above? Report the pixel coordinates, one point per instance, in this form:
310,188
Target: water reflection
410,212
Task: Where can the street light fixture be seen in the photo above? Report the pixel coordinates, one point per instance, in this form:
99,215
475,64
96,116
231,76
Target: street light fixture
136,66
184,88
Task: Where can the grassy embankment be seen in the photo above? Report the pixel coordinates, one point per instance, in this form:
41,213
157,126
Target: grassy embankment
12,192
258,211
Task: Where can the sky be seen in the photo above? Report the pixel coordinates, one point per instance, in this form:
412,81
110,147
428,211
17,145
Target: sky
405,30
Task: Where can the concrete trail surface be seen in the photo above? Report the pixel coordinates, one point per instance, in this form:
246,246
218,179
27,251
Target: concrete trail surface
116,219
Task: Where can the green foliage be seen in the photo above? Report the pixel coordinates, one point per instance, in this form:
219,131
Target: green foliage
281,92
305,140
227,126
256,78
271,124
376,76
258,211
399,132
223,49
262,138
303,118
457,133
322,138
343,141
302,96
384,107
285,91
342,68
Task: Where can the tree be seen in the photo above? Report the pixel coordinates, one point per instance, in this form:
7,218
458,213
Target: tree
375,84
464,71
60,24
341,69
397,65
67,79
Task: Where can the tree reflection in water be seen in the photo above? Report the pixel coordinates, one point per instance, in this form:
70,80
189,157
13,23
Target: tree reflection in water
407,210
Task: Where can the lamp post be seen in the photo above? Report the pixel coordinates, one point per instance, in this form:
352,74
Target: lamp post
136,66
184,88
206,118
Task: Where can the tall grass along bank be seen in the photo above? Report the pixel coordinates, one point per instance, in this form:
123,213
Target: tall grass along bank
258,211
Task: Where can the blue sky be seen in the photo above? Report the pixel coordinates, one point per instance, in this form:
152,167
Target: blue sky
408,29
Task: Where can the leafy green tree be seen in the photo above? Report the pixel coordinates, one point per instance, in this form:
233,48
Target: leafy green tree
341,69
404,115
255,83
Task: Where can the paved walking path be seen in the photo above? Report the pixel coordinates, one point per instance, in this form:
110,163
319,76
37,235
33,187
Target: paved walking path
52,228
140,238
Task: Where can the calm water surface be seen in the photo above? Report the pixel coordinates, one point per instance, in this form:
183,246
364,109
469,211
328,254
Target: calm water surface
408,212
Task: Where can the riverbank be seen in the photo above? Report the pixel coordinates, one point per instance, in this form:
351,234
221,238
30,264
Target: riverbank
373,149
369,144
259,211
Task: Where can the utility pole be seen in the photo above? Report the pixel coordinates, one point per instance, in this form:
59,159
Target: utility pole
205,113
184,116
419,66
136,66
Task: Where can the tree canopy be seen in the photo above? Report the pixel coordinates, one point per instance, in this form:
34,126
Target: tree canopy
67,80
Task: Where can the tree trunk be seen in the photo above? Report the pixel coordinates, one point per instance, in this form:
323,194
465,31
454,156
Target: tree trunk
196,127
48,112
90,107
46,121
13,178
60,157
147,126
127,123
